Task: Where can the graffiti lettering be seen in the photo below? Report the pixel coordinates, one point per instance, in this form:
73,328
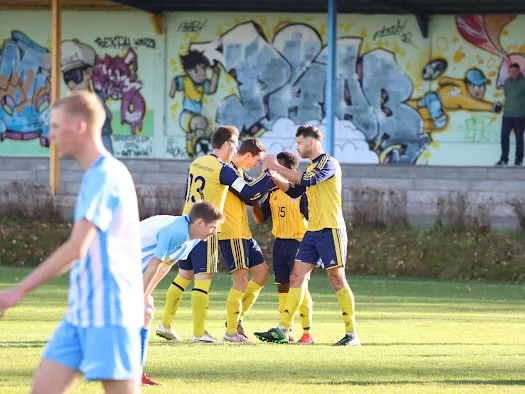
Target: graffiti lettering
133,146
258,67
194,26
287,78
397,30
117,77
25,90
123,42
174,149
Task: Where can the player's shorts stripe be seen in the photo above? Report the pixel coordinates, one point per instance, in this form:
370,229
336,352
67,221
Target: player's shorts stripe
337,245
241,247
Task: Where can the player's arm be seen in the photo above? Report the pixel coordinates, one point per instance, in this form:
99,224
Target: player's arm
96,213
58,263
290,189
160,264
324,169
262,212
303,206
248,192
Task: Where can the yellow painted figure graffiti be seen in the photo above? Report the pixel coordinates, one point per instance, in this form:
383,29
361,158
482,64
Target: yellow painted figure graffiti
194,85
453,95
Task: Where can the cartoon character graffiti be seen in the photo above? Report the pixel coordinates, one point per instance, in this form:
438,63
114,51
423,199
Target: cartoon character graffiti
485,31
194,84
77,63
25,90
452,94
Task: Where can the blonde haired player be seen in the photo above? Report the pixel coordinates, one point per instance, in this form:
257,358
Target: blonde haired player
99,336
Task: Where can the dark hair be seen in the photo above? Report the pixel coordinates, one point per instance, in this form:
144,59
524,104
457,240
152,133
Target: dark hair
291,161
223,134
307,130
251,145
515,65
206,211
192,59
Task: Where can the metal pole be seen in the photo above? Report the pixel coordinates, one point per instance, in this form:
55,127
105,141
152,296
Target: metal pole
54,160
331,76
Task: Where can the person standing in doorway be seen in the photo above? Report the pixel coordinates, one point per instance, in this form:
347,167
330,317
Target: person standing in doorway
513,115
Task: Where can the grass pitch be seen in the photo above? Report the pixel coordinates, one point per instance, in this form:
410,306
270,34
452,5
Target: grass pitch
418,336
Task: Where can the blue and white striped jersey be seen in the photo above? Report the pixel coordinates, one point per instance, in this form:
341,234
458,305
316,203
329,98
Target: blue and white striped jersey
167,238
106,287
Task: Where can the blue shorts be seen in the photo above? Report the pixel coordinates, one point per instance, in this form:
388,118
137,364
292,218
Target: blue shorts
241,253
106,353
284,252
203,258
329,245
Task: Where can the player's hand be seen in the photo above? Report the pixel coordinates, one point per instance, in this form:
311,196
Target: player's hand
270,162
9,299
497,107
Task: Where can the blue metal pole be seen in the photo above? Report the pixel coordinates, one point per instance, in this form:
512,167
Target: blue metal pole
330,76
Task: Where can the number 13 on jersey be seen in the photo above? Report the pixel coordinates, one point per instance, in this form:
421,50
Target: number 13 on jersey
195,188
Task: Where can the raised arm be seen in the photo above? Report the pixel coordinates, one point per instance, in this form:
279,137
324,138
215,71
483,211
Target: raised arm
248,192
324,169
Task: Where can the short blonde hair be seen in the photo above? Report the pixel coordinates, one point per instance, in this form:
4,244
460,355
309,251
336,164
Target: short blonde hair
84,105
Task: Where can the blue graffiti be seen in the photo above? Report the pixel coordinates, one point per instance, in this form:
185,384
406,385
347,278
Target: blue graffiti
25,94
287,79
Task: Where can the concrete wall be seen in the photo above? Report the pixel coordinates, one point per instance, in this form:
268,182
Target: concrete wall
423,185
400,97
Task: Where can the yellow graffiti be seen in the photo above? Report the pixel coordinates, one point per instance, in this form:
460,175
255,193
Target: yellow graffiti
442,43
308,18
347,27
219,32
262,20
363,33
322,30
459,55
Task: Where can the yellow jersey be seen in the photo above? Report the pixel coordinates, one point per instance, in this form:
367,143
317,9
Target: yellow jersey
236,224
289,215
322,182
209,179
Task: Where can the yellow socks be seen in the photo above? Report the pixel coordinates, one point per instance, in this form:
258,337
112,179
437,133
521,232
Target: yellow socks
306,312
282,303
250,295
173,299
294,299
346,300
199,306
233,310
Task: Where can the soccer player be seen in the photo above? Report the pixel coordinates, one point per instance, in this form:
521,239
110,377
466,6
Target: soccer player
326,237
289,224
209,179
99,336
166,239
241,252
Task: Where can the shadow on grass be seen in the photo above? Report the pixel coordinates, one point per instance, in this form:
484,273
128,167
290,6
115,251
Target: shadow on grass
476,382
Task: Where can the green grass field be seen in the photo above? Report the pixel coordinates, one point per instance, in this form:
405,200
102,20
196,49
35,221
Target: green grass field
418,336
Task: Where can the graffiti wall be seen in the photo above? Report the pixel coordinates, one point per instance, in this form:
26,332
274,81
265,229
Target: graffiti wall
400,98
98,54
